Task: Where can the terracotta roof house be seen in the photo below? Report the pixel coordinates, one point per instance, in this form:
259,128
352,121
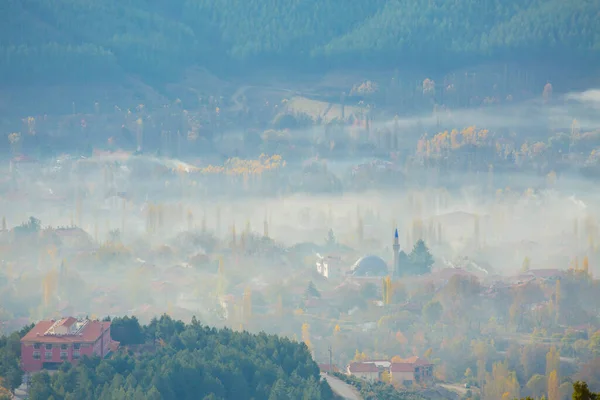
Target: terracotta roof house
364,370
547,274
52,342
411,370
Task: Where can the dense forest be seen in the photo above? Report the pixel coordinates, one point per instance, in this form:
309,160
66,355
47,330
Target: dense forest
66,40
11,374
179,361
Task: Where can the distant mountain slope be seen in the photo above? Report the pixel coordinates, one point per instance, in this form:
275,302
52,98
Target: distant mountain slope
85,40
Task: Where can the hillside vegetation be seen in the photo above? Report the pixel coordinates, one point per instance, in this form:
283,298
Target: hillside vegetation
189,362
90,41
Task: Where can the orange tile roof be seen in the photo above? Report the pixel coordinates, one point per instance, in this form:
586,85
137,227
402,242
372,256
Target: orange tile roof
402,367
363,367
90,333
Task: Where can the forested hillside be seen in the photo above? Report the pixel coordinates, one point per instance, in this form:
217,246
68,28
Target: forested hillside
84,40
189,362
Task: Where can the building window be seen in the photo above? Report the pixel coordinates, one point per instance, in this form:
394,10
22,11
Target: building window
407,383
36,355
37,345
48,355
48,347
63,355
75,354
76,346
64,346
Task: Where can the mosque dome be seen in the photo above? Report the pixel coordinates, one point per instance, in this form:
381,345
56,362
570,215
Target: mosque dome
370,266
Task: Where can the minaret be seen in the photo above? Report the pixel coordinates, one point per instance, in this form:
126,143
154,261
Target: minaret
396,248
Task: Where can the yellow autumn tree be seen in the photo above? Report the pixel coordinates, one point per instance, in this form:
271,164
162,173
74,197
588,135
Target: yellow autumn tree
387,290
233,237
221,282
428,353
386,377
552,360
306,335
553,392
502,383
557,299
247,305
401,338
526,264
336,330
551,178
190,220
4,392
468,373
585,266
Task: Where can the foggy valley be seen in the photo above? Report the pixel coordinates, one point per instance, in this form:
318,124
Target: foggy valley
217,200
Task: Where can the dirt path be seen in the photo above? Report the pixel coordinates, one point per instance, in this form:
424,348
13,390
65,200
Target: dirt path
342,389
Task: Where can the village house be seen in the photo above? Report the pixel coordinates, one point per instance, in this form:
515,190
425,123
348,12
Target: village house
50,343
411,370
74,237
364,370
406,372
330,266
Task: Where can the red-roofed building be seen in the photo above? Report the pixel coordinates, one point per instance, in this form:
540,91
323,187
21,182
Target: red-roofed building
50,343
411,370
364,370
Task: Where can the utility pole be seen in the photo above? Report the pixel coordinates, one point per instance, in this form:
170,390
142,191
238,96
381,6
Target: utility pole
330,360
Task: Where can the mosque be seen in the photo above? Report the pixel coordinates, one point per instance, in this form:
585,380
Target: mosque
374,266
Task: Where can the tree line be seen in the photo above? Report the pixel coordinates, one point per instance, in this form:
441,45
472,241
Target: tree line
178,361
92,41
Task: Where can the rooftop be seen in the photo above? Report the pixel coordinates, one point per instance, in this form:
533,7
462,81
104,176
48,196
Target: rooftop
66,330
362,367
402,367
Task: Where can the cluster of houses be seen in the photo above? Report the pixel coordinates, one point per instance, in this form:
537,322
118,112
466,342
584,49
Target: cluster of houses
406,372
